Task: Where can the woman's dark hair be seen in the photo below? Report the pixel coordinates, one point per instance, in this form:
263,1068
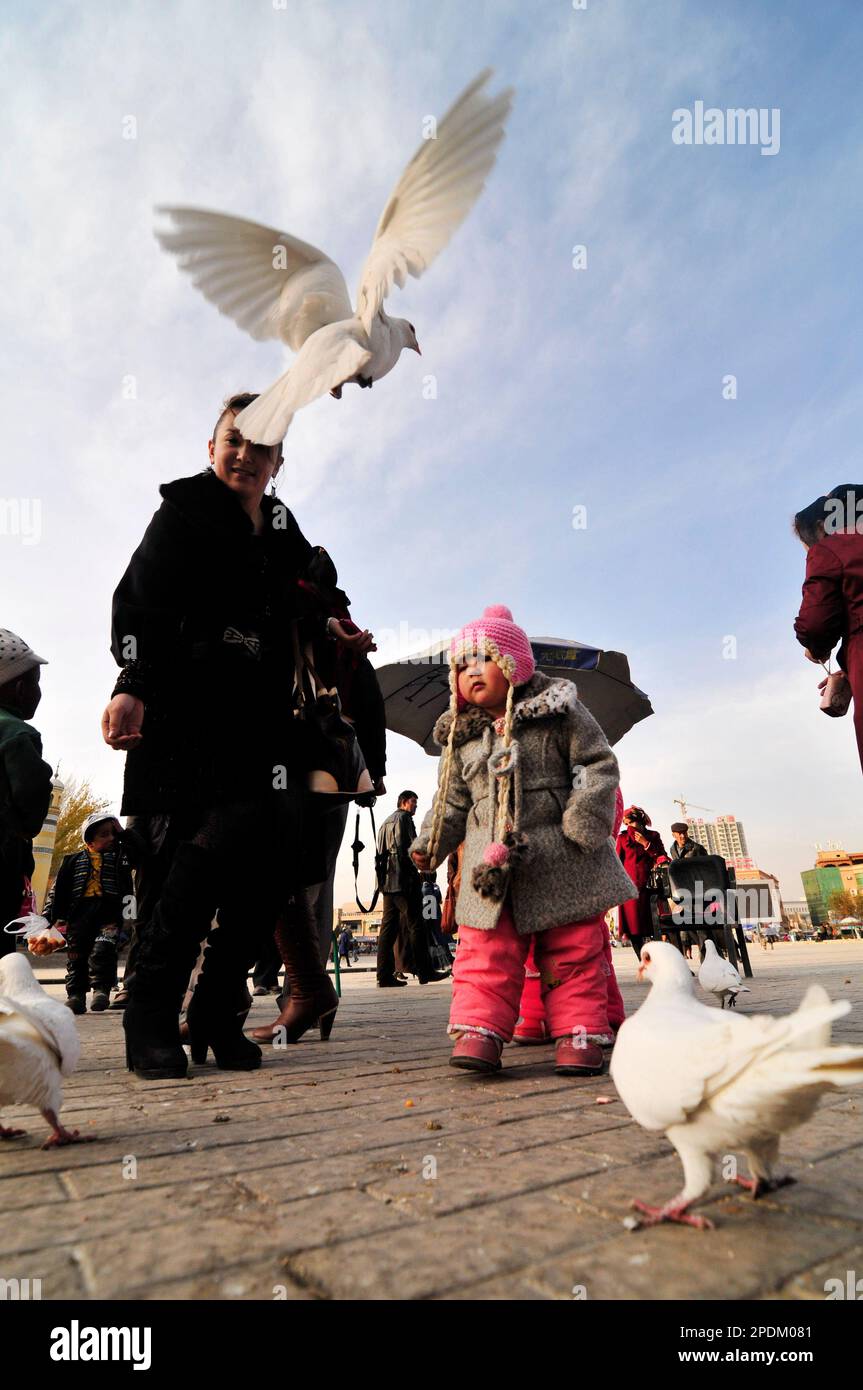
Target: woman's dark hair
232,405
636,813
809,524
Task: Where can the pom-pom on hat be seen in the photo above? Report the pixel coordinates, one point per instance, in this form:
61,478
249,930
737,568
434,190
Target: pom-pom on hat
498,638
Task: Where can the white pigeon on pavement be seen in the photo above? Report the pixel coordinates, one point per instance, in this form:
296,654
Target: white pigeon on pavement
275,286
718,976
39,1043
720,1083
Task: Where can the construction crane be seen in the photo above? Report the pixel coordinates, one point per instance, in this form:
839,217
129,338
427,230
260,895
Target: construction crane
684,806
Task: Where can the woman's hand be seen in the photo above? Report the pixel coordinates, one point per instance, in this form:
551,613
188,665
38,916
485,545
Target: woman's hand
422,862
354,641
121,722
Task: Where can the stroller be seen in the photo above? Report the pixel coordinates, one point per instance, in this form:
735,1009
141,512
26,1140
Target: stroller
702,890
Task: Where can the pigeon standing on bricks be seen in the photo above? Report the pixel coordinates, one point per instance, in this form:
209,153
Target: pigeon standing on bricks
718,976
275,286
720,1083
38,1044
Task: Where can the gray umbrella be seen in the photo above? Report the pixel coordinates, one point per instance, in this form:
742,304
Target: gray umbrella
416,689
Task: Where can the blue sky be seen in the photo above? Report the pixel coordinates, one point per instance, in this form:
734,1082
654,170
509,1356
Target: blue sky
556,387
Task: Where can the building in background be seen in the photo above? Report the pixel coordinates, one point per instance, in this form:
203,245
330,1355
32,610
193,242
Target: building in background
835,871
724,836
797,915
43,845
759,900
364,925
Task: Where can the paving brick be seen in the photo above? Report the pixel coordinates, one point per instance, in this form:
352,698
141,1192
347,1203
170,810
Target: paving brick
314,1181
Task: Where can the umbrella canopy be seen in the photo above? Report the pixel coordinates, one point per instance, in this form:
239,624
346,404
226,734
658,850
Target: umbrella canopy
416,689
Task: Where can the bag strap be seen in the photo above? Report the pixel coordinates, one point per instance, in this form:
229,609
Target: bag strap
302,664
357,848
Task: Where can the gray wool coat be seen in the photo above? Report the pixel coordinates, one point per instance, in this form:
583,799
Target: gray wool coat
569,779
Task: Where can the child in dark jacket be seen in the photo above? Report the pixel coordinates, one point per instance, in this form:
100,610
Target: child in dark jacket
91,902
25,780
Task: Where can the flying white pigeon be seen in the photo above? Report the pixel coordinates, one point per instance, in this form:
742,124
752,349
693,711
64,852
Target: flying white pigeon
275,286
38,1044
718,976
723,1083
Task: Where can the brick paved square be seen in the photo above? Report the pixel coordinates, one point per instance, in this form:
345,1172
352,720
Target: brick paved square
367,1168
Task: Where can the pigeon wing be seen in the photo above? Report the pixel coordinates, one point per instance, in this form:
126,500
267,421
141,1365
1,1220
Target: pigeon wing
29,1066
270,283
52,1021
678,1056
327,359
664,1059
434,194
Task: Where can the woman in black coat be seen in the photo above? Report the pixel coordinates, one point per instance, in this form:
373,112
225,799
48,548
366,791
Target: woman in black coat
204,708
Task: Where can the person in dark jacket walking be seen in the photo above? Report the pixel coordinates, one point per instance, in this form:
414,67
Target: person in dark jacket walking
346,946
401,889
91,902
831,612
204,709
25,779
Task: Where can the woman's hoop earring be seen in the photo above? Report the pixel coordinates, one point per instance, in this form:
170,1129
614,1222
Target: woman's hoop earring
273,487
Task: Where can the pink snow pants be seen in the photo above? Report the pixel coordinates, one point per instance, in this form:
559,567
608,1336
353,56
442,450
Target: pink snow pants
488,978
532,1008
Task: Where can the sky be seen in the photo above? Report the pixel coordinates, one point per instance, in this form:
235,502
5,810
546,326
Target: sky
603,387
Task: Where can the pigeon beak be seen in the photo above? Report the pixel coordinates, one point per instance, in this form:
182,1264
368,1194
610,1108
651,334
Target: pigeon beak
416,348
640,972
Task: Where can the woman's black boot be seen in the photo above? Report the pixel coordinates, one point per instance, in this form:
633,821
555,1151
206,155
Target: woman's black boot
168,950
215,1015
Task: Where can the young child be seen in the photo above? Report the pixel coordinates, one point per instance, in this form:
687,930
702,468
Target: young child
528,780
90,903
25,780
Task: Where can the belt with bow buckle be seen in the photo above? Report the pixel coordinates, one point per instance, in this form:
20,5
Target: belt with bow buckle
234,637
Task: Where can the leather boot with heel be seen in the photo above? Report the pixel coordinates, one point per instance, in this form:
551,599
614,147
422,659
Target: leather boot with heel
215,1015
313,1000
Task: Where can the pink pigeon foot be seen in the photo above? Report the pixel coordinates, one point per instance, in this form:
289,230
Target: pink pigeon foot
11,1133
61,1136
676,1211
760,1186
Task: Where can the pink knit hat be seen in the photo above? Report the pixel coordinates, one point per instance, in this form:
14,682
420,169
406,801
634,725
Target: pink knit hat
496,636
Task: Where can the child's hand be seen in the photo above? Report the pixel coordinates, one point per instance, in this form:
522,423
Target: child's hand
422,862
121,722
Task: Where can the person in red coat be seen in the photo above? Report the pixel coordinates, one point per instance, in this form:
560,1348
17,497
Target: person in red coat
832,607
639,848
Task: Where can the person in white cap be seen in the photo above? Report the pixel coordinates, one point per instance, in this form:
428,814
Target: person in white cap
25,779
